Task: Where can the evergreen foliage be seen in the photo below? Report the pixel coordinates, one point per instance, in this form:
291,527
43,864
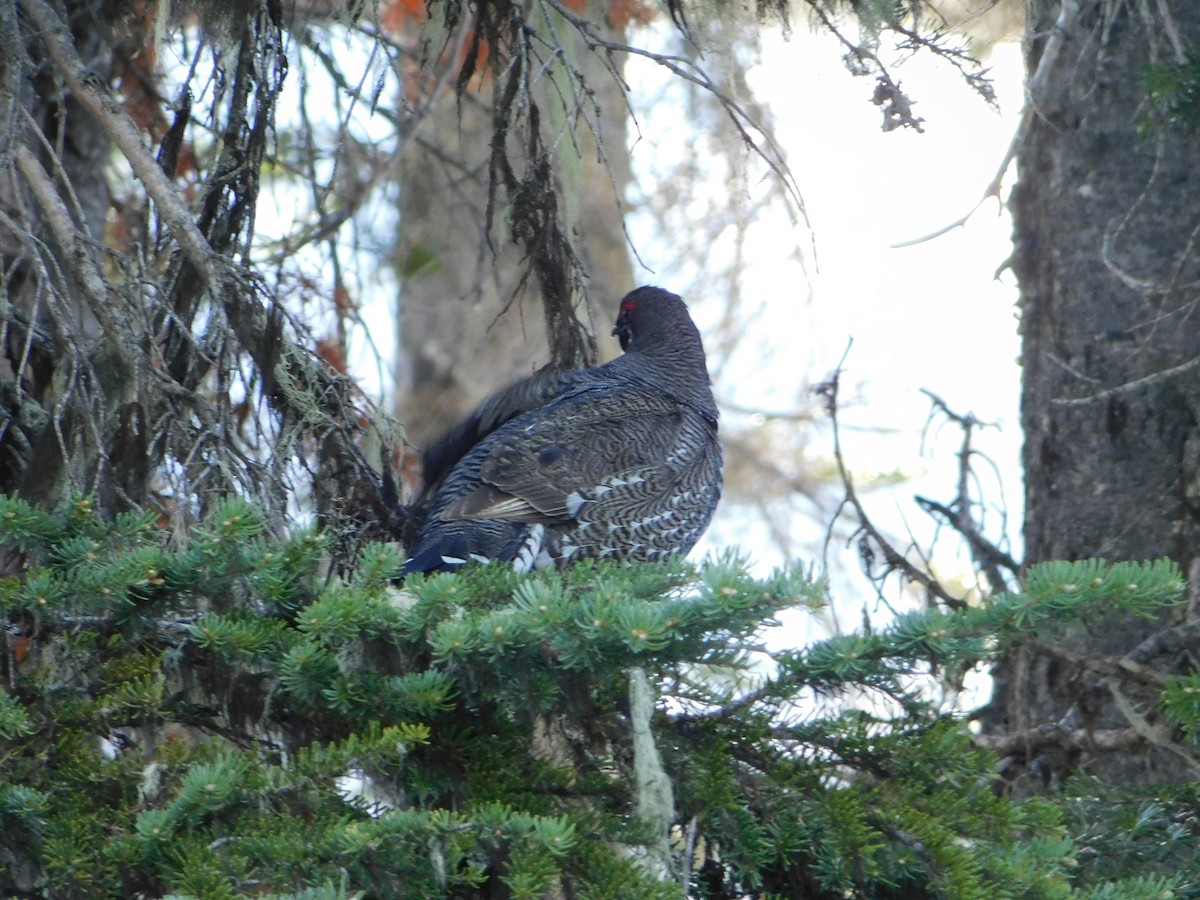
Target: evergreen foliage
1174,92
218,719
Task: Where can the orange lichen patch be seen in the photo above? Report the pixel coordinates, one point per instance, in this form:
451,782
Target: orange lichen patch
399,15
622,13
344,306
472,50
331,350
18,645
241,412
136,73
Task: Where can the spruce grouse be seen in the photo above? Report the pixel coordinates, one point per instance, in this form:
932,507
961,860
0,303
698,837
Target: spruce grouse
616,462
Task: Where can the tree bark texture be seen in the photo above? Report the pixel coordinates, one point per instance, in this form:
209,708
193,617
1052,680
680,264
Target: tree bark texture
1106,225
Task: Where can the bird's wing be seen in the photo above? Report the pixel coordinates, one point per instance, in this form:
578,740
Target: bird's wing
546,466
505,405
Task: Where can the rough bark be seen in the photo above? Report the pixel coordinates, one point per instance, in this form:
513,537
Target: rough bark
1105,225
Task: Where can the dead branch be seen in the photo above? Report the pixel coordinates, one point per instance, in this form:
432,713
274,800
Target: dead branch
1052,736
870,538
988,558
1034,93
167,415
107,110
1120,667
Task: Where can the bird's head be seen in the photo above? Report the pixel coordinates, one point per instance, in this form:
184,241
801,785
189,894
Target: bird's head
663,348
643,313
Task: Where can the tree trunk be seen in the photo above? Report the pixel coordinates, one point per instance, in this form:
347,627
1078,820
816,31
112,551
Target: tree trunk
1105,221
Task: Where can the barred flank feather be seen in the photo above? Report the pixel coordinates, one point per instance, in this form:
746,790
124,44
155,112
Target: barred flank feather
620,461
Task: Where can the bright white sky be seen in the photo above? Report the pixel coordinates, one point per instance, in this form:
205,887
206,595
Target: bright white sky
931,316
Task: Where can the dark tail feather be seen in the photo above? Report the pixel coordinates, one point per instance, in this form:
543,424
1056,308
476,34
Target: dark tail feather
432,560
487,541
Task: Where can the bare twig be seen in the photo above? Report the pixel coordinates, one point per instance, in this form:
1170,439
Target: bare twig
1034,93
1129,386
1153,734
1123,667
1129,669
1051,736
764,145
76,251
124,132
988,557
871,538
